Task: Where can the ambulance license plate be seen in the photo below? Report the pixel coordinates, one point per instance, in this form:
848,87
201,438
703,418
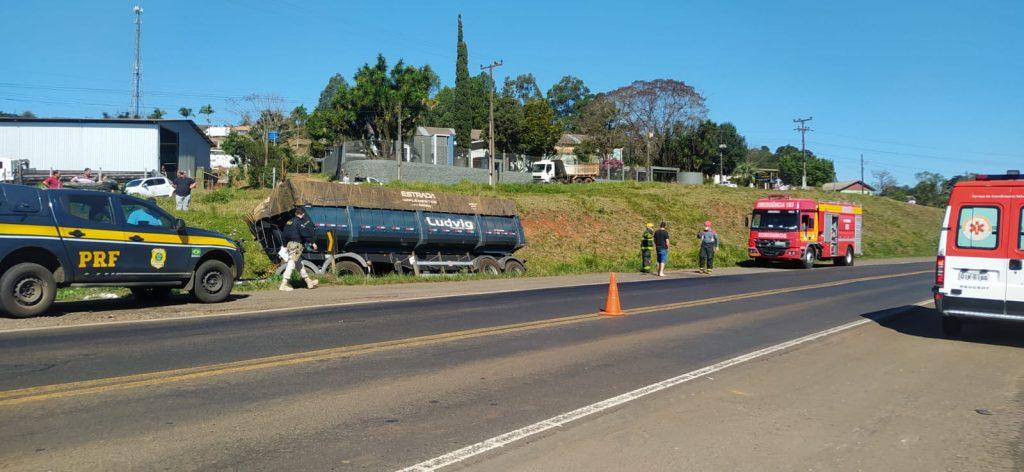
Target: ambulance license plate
973,276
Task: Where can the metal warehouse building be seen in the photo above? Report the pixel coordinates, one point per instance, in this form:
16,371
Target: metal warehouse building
113,145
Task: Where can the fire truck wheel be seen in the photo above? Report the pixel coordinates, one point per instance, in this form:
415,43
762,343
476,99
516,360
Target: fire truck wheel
27,289
846,260
212,282
807,261
951,326
514,268
761,262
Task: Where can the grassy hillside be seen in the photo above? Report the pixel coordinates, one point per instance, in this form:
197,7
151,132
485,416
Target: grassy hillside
596,227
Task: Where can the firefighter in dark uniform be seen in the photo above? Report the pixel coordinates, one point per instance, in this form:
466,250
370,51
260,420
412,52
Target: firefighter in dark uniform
646,246
298,232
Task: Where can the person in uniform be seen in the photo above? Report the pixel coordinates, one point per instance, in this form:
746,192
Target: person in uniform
646,246
298,232
708,246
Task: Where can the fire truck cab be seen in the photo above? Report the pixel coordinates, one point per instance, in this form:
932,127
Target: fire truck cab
804,230
978,271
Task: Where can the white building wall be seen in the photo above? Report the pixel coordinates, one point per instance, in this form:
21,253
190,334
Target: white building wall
74,146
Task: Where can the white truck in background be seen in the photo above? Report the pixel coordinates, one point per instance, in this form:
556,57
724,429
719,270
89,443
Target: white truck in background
555,170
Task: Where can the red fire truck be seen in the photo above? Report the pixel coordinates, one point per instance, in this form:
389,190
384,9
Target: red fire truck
804,230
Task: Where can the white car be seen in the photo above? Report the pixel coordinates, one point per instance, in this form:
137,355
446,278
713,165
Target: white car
151,187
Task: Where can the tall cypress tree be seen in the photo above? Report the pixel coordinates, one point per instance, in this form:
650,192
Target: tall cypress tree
462,59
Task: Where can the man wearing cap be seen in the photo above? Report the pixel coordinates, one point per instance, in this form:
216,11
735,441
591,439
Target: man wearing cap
708,245
646,246
298,232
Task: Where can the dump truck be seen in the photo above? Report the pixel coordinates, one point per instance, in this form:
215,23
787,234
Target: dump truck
368,230
803,230
554,170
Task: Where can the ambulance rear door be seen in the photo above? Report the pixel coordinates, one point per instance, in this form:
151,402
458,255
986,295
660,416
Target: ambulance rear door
1015,275
977,250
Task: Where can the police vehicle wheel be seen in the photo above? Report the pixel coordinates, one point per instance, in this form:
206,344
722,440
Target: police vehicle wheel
27,290
150,293
515,268
807,261
349,268
951,326
488,265
212,282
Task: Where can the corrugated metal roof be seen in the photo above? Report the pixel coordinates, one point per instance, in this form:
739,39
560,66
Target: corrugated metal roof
108,120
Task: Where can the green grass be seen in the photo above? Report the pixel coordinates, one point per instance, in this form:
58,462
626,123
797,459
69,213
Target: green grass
583,228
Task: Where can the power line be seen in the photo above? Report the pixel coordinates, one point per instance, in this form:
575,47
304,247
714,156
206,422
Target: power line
803,129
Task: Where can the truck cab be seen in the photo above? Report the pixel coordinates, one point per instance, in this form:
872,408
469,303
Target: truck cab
547,171
62,238
978,270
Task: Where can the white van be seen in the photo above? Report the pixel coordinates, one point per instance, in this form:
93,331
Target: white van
978,271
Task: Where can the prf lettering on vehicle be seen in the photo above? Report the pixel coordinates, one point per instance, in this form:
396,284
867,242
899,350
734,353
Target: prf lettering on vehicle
97,259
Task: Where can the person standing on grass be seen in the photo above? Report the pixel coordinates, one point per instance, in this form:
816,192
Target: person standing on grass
661,244
298,232
708,246
646,246
183,186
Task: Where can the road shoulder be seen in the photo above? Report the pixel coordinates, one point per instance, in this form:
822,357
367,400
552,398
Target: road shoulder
878,397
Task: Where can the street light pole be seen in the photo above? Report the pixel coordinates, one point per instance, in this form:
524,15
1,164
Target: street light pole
650,136
490,140
721,164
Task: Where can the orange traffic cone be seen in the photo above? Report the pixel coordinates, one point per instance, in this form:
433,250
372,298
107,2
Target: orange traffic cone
611,306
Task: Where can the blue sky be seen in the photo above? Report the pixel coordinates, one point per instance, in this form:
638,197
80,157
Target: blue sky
914,86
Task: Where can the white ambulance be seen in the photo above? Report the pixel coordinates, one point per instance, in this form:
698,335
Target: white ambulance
978,271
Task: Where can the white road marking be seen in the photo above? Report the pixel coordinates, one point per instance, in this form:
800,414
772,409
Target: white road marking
382,300
467,452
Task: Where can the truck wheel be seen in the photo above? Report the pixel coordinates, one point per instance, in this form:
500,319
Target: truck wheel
144,294
212,282
846,260
27,289
487,265
951,326
807,261
350,268
515,268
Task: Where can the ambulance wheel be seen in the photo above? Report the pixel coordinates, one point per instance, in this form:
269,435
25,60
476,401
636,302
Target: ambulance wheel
27,289
212,282
951,326
143,294
515,268
807,261
487,265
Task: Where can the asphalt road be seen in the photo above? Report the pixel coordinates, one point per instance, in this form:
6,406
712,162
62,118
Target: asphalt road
386,385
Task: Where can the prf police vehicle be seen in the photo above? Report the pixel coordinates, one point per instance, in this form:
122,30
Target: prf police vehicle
979,271
62,238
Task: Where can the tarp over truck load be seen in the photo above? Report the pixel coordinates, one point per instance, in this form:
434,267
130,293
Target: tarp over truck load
292,192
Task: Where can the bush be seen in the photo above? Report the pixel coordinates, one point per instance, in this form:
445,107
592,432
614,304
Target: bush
223,195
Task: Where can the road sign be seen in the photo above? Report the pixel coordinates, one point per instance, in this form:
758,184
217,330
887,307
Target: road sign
272,135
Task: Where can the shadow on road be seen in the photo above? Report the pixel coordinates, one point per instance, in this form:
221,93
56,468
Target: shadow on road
123,303
925,322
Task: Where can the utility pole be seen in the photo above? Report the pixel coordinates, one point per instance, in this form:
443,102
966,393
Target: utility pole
137,68
398,149
862,174
803,129
490,143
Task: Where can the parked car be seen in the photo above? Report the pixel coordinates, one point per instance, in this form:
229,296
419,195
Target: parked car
151,187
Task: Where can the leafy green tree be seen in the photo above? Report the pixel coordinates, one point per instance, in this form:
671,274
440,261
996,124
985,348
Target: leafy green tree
540,130
819,171
508,124
461,58
206,110
568,97
523,88
930,189
185,112
597,120
743,173
698,150
156,114
651,111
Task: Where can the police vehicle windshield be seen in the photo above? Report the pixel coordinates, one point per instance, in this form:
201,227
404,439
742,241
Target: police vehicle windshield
779,220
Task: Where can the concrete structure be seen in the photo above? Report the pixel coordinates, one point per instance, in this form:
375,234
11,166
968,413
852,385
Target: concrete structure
115,145
850,186
387,171
432,145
